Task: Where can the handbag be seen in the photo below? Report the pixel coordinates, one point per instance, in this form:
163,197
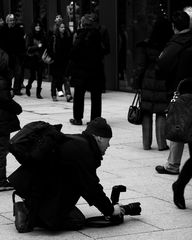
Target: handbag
178,126
134,113
46,58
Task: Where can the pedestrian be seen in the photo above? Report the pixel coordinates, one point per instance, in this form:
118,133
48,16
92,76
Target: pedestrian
105,41
9,122
153,89
35,45
59,48
14,46
73,175
186,172
174,65
86,69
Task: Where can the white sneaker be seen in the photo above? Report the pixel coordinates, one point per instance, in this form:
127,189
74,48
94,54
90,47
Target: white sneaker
60,94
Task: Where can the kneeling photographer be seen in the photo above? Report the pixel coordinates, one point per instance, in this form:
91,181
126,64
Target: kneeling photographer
55,188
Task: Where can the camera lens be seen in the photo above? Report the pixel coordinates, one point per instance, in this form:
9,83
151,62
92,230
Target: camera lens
132,209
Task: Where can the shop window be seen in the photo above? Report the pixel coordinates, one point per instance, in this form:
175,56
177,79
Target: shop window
40,11
135,19
16,9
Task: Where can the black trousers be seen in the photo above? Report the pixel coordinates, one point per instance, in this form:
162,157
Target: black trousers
16,64
33,71
186,172
78,103
57,85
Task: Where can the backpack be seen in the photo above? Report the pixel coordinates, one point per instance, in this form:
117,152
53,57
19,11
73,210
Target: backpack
35,142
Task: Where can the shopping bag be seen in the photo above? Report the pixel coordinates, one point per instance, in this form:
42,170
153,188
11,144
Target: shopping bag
46,58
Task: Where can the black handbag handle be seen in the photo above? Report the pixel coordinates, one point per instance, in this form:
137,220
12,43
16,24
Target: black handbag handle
136,99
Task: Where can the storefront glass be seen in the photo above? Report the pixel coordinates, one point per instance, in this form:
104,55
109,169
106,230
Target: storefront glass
134,21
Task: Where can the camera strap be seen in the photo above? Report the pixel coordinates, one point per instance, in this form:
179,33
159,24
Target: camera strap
102,221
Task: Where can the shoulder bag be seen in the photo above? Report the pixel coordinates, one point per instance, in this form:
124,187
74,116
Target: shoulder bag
134,113
178,127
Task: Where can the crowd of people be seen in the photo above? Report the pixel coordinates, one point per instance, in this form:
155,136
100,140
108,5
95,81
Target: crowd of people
162,61
61,45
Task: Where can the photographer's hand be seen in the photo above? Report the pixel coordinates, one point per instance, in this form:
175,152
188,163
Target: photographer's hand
118,210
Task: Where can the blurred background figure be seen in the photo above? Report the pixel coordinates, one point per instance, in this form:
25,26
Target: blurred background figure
153,89
86,69
59,47
14,44
2,24
9,122
35,45
57,21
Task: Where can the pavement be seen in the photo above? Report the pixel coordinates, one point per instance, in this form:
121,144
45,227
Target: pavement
125,163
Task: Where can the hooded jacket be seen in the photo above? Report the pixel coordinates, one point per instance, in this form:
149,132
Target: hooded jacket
175,60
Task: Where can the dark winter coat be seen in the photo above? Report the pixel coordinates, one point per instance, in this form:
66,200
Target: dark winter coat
13,40
153,91
86,66
175,61
34,51
59,49
8,107
69,174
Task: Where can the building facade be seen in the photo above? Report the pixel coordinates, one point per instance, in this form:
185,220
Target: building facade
127,21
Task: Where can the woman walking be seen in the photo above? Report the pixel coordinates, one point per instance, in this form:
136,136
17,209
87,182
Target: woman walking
59,49
35,43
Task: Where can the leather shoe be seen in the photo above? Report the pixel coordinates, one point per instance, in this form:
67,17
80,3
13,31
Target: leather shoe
178,196
75,121
164,149
21,214
69,98
163,170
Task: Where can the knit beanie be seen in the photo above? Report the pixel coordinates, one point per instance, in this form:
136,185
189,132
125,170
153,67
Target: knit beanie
99,127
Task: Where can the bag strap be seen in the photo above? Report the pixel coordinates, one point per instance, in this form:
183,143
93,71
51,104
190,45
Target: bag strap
136,99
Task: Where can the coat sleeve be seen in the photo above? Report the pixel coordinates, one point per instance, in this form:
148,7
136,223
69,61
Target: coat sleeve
140,66
168,59
82,175
92,192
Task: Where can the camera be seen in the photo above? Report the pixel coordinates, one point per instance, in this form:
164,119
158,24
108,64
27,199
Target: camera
131,208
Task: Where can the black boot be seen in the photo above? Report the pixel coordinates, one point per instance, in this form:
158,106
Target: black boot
178,196
38,93
28,92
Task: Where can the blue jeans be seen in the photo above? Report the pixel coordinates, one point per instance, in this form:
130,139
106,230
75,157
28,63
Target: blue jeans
4,143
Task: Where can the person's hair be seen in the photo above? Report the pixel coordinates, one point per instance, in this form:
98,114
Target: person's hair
9,17
88,20
188,10
35,23
180,20
58,26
